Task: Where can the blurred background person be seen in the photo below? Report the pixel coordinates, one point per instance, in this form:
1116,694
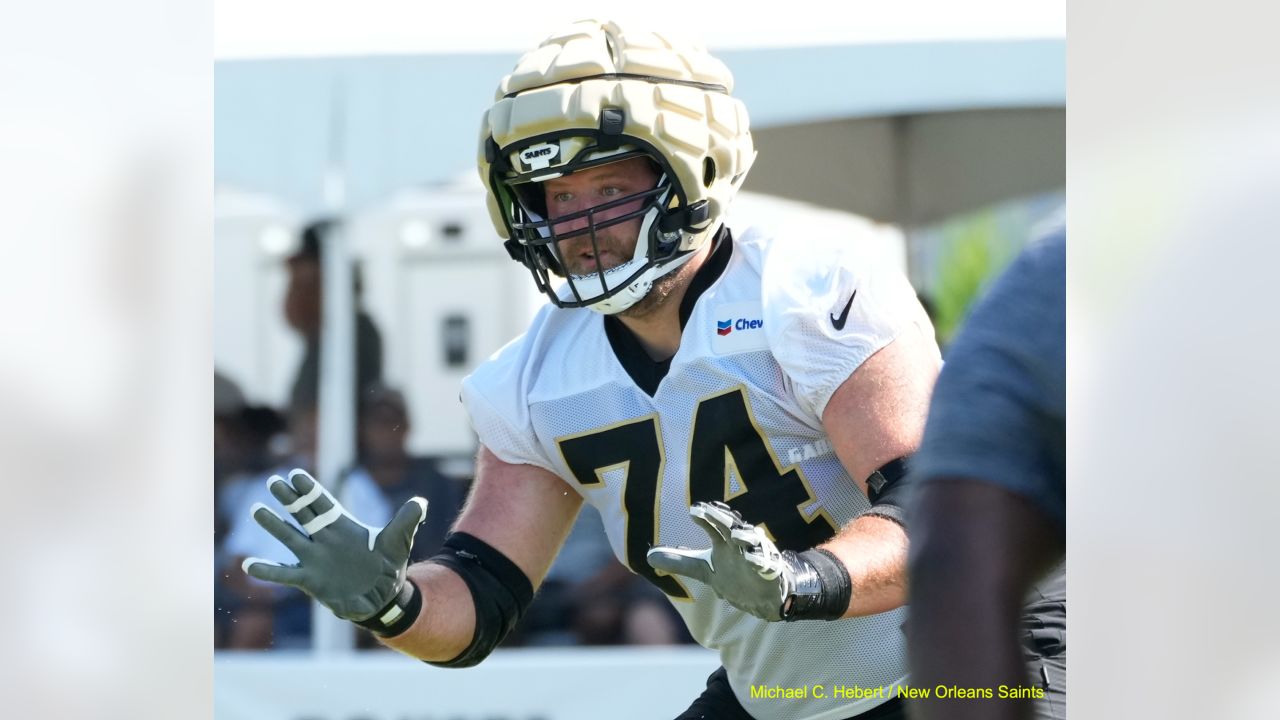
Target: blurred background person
228,402
617,607
386,464
304,311
243,435
243,453
272,616
589,598
988,526
228,457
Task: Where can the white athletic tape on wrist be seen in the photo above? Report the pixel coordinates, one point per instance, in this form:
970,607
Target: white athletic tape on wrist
321,522
391,615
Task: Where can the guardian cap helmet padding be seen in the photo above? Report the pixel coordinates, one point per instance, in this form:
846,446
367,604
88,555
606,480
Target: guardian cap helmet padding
595,94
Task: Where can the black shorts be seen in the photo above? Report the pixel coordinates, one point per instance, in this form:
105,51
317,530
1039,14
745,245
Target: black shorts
718,702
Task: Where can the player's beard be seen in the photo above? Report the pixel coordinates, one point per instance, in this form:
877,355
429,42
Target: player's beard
615,243
664,289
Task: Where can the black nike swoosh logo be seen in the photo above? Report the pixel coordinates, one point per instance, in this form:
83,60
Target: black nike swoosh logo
838,322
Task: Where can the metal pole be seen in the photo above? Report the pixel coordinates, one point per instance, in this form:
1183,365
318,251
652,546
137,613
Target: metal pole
336,422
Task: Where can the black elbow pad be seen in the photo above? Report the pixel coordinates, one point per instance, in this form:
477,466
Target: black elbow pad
887,492
500,590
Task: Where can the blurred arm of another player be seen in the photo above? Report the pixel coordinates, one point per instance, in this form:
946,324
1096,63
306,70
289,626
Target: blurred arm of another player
976,551
874,419
450,610
988,510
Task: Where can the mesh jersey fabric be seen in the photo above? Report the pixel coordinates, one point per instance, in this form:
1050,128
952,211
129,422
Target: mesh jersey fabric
737,418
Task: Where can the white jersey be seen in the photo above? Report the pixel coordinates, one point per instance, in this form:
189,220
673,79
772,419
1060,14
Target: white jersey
737,418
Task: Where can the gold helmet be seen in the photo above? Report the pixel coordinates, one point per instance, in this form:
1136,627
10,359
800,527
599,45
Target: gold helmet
595,93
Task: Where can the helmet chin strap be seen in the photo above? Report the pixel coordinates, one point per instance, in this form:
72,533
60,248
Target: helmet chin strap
636,290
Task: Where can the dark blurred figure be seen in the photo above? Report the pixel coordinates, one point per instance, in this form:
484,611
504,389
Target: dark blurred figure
386,464
988,575
243,455
242,438
228,402
589,598
228,460
303,310
618,607
264,615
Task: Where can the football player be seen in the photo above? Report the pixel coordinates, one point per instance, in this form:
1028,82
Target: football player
738,407
988,574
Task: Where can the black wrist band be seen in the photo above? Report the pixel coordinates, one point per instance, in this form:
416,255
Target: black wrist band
823,586
398,614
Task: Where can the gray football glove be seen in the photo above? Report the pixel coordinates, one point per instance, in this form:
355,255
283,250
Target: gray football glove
357,571
746,569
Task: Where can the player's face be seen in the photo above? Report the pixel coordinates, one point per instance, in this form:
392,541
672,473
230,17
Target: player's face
590,188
